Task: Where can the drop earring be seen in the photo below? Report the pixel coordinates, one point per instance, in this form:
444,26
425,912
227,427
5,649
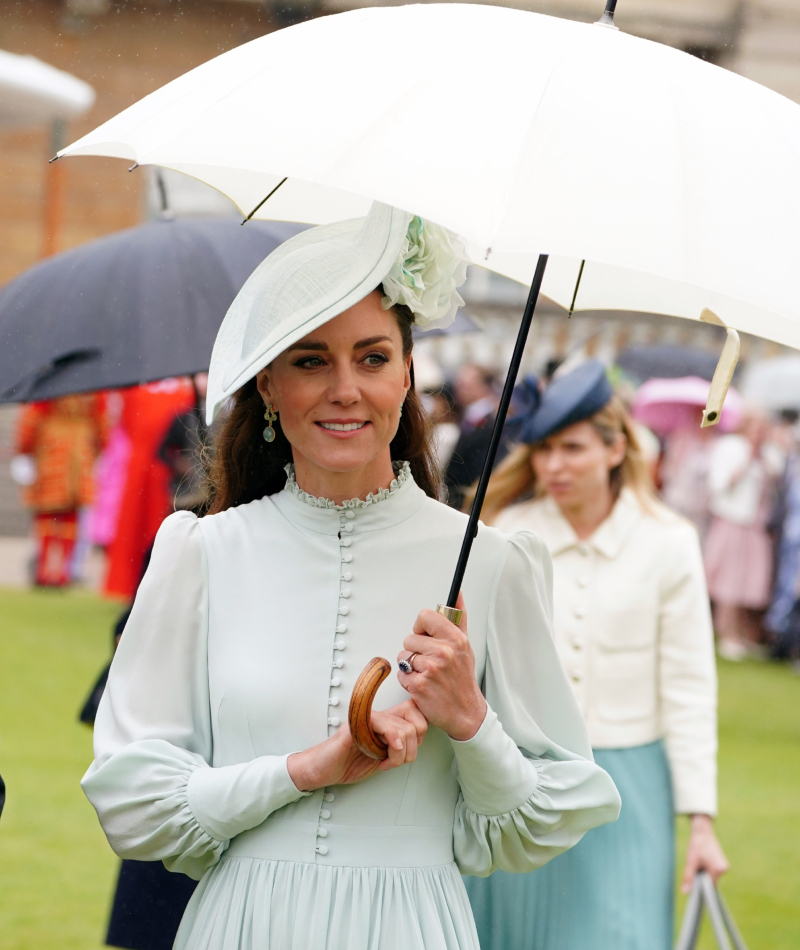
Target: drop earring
401,409
270,416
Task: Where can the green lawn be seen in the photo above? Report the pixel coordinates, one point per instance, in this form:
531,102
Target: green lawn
57,873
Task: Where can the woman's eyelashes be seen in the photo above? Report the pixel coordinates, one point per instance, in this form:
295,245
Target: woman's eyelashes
374,360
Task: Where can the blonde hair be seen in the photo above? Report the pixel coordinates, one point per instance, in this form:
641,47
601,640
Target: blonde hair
514,479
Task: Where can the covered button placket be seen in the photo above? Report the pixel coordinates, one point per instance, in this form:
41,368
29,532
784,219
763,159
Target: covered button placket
346,519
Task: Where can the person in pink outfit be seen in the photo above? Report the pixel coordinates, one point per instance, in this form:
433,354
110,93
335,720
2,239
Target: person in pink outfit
738,551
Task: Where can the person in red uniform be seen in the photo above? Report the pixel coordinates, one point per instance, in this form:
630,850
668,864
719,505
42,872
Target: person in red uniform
146,416
63,438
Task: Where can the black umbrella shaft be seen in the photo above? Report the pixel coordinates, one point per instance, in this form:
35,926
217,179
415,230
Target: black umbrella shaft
497,431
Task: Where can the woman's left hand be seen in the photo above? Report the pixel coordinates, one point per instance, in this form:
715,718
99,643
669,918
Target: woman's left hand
704,852
443,683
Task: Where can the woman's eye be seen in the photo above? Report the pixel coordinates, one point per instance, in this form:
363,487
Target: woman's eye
375,359
309,361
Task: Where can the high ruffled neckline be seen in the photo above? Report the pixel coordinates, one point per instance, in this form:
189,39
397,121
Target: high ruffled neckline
402,472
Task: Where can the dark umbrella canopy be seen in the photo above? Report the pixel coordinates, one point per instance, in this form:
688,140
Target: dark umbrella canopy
666,362
138,306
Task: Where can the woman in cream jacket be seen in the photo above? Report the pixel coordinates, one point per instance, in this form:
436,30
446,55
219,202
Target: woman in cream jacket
634,634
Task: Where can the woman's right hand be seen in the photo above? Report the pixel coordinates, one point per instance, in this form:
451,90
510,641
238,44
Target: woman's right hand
337,761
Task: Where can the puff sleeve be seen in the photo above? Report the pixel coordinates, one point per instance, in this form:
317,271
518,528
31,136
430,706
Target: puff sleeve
151,783
529,786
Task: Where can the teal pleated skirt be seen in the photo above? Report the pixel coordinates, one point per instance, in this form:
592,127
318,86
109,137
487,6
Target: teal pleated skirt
612,891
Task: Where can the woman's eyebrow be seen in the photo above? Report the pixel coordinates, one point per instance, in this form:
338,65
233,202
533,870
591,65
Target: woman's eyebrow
323,347
371,341
310,345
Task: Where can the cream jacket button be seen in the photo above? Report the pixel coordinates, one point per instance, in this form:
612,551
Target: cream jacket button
580,611
324,813
333,721
336,681
346,542
347,557
577,675
322,832
333,701
577,642
348,528
346,592
321,849
347,576
344,610
349,514
341,628
338,662
339,644
329,796
583,549
583,580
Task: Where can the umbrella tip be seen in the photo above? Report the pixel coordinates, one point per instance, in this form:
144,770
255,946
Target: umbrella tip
607,19
133,167
53,159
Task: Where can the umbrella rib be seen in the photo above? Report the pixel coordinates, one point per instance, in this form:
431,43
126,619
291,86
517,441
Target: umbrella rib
497,431
577,285
265,200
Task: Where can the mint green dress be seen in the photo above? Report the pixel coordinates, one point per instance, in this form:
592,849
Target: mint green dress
244,643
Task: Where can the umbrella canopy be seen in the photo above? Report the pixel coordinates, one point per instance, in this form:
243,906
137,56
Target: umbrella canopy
773,384
676,181
666,362
138,306
32,92
665,405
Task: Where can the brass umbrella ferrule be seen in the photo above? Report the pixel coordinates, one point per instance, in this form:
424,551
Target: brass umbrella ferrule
453,614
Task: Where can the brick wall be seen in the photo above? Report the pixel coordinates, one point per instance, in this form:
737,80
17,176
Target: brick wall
125,53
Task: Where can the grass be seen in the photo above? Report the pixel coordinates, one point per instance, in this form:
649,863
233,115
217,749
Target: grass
759,786
57,872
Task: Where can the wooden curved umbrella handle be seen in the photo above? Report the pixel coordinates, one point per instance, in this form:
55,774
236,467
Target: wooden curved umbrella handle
364,737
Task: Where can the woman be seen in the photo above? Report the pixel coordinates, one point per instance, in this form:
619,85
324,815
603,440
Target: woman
221,744
633,632
738,548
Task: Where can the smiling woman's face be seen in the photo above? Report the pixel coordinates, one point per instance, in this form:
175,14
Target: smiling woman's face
338,393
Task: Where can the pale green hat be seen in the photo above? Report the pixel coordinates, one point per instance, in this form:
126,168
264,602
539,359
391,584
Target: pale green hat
320,273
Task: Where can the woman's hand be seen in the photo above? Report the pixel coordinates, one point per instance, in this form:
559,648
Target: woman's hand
704,852
337,761
443,684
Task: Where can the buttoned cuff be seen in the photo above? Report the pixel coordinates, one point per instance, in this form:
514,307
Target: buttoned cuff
495,777
227,801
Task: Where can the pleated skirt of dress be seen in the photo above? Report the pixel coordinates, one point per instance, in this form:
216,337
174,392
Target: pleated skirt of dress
612,891
257,904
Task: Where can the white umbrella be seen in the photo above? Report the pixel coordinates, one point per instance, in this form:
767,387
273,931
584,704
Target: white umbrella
677,181
773,384
34,93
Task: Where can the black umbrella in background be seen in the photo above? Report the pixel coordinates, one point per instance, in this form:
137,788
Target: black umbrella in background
665,361
138,306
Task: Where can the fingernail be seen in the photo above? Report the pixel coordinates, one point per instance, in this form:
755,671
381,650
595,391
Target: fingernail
398,743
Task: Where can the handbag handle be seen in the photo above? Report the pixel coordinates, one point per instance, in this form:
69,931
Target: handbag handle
704,894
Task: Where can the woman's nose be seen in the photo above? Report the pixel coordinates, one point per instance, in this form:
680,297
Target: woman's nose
344,388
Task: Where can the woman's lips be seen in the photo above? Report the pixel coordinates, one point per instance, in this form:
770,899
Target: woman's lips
346,429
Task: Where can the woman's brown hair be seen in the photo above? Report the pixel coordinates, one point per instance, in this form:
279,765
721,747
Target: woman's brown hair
514,479
245,467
